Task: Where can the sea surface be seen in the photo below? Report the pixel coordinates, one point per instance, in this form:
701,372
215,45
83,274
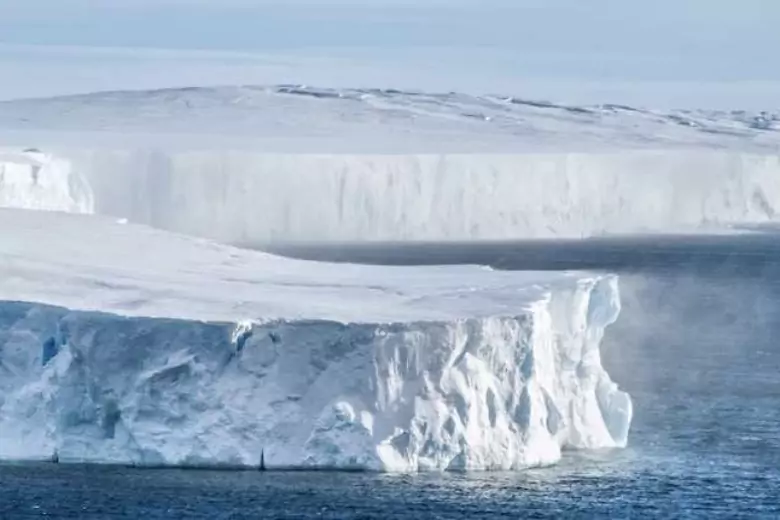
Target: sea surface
697,346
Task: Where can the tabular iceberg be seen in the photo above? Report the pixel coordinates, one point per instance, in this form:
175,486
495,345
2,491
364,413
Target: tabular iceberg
138,346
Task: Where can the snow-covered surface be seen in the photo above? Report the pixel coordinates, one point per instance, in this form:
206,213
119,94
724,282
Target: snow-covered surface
294,118
121,343
256,164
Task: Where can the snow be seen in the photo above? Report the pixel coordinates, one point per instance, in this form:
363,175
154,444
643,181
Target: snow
127,344
298,163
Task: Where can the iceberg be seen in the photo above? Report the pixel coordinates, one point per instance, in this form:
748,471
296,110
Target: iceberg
121,343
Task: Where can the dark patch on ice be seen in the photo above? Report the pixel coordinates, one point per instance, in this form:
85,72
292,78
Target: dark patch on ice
763,121
522,412
242,339
555,421
111,416
527,368
461,407
304,91
50,350
492,408
760,200
682,121
550,105
449,426
621,108
402,442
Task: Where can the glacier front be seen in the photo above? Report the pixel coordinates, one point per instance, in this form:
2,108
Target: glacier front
126,344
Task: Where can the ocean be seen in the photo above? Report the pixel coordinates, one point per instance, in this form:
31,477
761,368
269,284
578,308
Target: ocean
696,346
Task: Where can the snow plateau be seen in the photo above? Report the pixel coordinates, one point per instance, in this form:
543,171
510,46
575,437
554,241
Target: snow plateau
121,343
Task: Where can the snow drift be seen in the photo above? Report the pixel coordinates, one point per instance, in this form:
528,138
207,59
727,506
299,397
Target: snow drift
193,353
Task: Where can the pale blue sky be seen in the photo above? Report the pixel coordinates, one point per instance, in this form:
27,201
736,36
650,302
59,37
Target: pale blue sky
584,40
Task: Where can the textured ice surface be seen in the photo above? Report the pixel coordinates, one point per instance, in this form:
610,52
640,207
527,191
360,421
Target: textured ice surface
121,343
254,164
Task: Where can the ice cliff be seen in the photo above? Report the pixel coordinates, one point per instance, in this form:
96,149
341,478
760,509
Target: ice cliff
248,197
144,347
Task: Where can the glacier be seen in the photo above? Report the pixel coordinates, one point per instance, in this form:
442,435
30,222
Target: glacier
254,165
123,343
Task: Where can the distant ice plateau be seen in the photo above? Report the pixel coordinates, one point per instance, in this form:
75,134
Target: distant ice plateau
298,163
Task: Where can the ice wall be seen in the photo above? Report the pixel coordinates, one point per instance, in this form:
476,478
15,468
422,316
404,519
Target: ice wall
482,393
256,197
34,180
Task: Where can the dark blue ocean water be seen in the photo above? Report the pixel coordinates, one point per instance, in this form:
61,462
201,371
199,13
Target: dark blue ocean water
697,345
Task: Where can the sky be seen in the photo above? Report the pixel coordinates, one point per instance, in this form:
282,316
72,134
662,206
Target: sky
572,48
